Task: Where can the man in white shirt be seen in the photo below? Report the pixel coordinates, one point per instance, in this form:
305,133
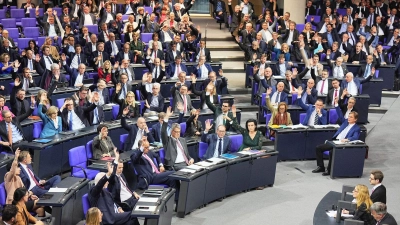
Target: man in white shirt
266,32
323,84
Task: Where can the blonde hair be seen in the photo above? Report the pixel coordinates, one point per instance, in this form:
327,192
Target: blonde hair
51,110
214,89
363,196
308,23
39,95
92,216
2,56
134,101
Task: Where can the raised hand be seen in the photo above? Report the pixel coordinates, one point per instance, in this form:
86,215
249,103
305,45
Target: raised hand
16,64
328,52
109,169
63,57
37,58
118,87
308,91
125,111
372,71
179,106
17,82
194,78
221,72
233,108
162,63
294,72
299,91
336,100
169,112
269,91
116,65
208,125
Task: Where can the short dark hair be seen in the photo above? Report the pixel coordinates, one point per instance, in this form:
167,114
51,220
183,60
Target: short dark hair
83,88
335,79
9,212
101,127
19,194
251,121
227,102
378,175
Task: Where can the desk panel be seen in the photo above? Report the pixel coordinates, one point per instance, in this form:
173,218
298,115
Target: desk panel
290,144
238,178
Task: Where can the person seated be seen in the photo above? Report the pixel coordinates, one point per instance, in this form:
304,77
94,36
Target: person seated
23,81
279,115
193,126
352,84
125,54
218,143
155,41
315,114
339,69
203,51
74,117
105,71
156,128
102,145
94,216
124,68
357,56
123,86
348,131
5,65
279,95
251,52
118,186
378,192
19,105
52,124
181,96
31,181
282,66
379,212
146,86
251,136
156,69
12,181
365,69
99,196
3,107
348,107
203,69
104,94
220,84
133,107
77,75
210,88
96,116
135,131
172,53
154,53
100,56
177,155
52,77
154,101
20,200
9,213
310,95
175,68
334,92
137,46
364,203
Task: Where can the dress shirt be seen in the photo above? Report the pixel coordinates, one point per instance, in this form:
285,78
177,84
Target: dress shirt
79,80
76,121
324,88
216,152
344,132
352,88
74,62
312,118
266,34
114,48
375,187
282,69
32,182
94,47
16,133
346,115
55,122
290,38
87,20
125,194
123,92
109,18
139,136
52,31
278,45
179,155
126,56
343,28
338,72
204,72
48,62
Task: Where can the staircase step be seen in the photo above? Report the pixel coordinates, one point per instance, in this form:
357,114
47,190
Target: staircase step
389,94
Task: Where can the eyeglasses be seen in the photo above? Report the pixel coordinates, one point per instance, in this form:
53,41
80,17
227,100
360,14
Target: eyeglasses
225,105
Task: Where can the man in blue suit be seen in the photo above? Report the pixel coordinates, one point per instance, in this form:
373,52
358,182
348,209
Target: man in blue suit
309,97
77,75
175,68
156,128
203,69
148,172
135,131
277,96
218,143
113,47
125,54
99,196
316,115
348,131
31,181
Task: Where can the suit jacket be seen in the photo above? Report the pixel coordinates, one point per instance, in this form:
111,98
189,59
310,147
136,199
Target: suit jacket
219,84
100,115
362,58
74,73
312,98
277,71
46,27
108,48
322,120
170,147
169,56
13,54
156,128
114,185
95,54
82,20
263,84
49,128
178,98
192,127
132,132
295,37
144,168
162,35
212,140
120,57
25,61
101,198
388,219
353,133
18,106
106,95
247,37
379,195
171,69
82,57
330,97
356,81
103,17
80,112
148,24
25,176
385,58
197,71
43,63
362,68
206,53
217,112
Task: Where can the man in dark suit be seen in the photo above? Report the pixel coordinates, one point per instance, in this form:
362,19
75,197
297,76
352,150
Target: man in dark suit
282,66
27,6
366,69
96,116
51,77
154,101
248,34
122,87
310,9
13,140
309,96
46,60
29,61
77,58
69,49
378,192
103,92
166,36
348,131
203,69
315,114
154,53
103,36
22,81
329,37
323,84
99,196
156,128
107,15
46,4
352,84
357,55
19,105
220,112
6,48
119,188
380,56
380,214
338,68
148,172
99,56
175,68
291,34
220,84
135,131
38,187
74,118
177,155
334,92
87,18
49,28
125,54
283,23
218,143
180,95
150,25
172,53
9,214
91,47
113,47
203,51
124,68
76,75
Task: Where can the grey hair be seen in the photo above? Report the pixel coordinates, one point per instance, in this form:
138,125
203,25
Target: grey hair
379,208
3,113
54,65
175,125
351,74
156,85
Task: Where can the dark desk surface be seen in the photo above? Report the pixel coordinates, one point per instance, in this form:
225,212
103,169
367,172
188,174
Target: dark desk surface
320,216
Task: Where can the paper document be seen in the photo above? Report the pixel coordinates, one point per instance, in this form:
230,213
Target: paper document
339,142
147,199
250,152
216,160
145,208
332,213
187,171
326,126
194,167
58,190
298,126
152,117
204,164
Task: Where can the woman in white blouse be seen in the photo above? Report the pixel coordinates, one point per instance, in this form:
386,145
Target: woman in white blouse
51,122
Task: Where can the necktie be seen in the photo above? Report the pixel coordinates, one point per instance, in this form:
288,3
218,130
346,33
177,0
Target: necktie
335,96
48,58
178,144
367,71
87,38
30,65
123,183
151,163
96,116
219,146
33,178
177,69
278,97
155,74
316,118
322,87
370,20
184,104
9,132
26,84
127,8
123,90
79,60
381,56
155,54
70,120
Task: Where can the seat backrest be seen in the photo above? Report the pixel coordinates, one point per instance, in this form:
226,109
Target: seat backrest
183,128
300,27
115,111
23,42
267,118
77,157
202,149
2,14
37,129
31,32
236,142
13,33
353,222
32,13
41,40
148,9
59,11
18,14
28,22
341,12
161,152
376,73
60,102
9,23
317,19
3,194
85,203
333,116
122,140
294,98
146,37
301,117
94,29
89,152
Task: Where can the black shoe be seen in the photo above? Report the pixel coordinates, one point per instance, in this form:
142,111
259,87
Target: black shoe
319,170
327,173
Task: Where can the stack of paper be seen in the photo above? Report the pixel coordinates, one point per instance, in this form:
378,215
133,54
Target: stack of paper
339,142
298,126
147,199
250,152
229,156
216,160
187,170
195,167
204,164
333,213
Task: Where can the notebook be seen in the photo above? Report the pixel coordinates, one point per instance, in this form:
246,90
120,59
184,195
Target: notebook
43,141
